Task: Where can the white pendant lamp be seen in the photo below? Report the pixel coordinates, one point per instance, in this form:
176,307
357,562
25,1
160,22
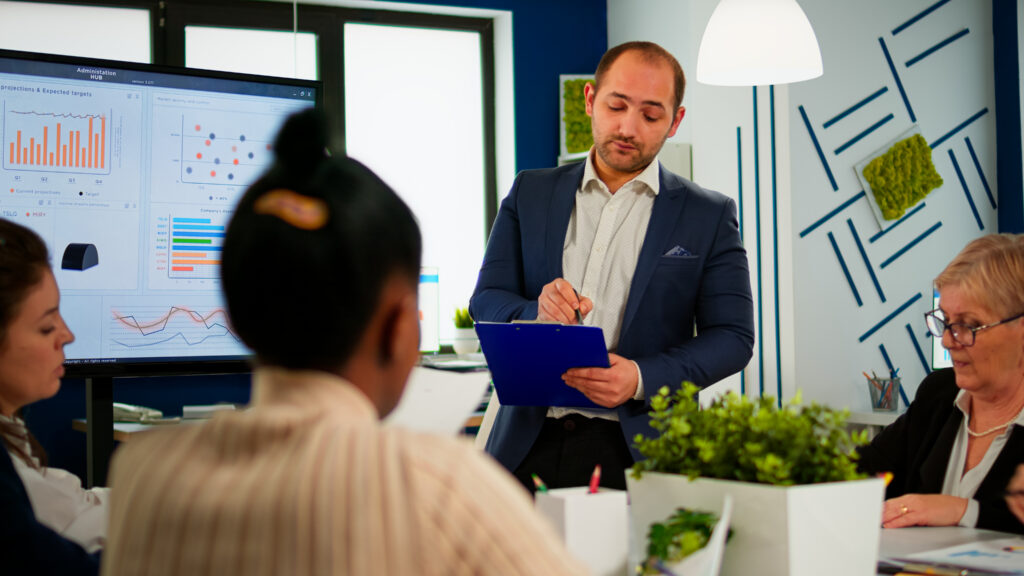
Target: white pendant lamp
758,42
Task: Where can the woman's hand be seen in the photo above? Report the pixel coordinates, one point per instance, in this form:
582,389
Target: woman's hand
1015,494
923,510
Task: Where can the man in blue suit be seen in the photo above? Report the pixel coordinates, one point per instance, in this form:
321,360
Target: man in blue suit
654,260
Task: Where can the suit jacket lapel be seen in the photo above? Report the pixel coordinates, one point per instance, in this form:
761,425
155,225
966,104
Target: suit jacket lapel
668,205
995,481
559,211
933,469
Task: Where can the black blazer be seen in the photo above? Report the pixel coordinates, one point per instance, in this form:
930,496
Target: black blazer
28,547
917,446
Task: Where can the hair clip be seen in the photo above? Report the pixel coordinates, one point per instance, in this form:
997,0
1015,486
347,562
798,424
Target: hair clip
300,211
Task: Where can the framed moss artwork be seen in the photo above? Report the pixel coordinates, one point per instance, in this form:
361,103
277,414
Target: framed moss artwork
575,136
898,176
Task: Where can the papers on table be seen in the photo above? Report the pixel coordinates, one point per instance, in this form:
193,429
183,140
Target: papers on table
439,401
1000,556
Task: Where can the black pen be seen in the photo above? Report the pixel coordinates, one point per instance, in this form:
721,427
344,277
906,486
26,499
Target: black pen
579,317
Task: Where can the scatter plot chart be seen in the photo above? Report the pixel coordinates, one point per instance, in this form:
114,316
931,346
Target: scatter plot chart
217,151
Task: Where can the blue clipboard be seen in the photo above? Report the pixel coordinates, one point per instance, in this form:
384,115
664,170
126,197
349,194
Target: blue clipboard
527,361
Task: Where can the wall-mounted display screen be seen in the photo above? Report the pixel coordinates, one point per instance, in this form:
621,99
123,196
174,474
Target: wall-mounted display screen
130,173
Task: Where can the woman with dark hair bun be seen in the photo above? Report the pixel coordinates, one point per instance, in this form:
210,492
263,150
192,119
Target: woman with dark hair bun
320,271
35,500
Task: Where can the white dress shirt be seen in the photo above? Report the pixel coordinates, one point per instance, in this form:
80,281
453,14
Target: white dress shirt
602,247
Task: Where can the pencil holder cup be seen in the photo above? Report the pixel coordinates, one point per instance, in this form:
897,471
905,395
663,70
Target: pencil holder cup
594,527
885,394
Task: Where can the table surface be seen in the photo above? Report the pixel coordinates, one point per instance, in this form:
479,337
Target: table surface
874,418
123,431
899,542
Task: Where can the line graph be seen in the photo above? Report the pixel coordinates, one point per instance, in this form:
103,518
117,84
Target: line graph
182,329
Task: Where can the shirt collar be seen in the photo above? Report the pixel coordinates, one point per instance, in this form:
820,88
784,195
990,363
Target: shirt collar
16,434
649,177
310,389
963,404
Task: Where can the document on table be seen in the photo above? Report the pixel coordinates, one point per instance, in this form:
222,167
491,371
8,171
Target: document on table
1002,556
439,401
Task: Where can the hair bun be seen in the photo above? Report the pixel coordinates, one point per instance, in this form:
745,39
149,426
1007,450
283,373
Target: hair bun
302,143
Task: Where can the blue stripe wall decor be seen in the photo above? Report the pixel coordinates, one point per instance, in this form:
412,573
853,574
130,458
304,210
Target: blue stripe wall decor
860,281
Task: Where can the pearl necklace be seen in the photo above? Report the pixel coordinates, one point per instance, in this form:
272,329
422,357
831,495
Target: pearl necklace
974,434
990,430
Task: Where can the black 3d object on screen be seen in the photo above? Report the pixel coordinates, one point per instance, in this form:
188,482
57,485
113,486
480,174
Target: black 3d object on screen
79,257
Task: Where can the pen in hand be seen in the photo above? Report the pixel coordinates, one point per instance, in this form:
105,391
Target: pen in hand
579,317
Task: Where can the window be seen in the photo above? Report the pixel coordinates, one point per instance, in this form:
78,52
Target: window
89,31
269,52
412,93
414,115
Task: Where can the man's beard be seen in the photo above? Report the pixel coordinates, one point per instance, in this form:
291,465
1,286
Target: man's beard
633,162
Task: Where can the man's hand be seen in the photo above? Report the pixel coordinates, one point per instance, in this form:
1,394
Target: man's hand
923,510
558,302
608,387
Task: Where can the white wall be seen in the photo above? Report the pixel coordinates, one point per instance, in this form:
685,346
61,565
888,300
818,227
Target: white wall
944,90
819,348
712,114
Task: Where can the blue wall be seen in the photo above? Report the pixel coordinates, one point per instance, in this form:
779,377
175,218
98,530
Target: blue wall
549,38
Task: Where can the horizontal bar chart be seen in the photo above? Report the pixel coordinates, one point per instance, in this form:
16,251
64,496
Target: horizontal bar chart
195,245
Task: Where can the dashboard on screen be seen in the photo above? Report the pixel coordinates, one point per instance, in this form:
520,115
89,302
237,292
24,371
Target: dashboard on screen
130,174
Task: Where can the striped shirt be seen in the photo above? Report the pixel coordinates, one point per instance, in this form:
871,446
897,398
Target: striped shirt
308,482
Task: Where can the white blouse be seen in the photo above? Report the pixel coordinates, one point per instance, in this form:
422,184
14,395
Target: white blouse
57,496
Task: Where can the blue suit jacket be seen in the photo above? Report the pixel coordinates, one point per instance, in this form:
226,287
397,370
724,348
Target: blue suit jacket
26,546
709,289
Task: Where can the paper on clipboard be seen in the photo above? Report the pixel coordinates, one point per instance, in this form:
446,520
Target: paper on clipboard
527,361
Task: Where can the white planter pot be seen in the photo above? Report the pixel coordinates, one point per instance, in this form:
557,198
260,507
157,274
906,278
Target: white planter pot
465,341
809,530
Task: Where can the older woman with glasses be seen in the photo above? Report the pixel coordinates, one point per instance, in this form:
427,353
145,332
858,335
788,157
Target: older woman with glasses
955,449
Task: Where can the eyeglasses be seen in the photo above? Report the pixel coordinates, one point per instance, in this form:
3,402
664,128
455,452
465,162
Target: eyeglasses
962,333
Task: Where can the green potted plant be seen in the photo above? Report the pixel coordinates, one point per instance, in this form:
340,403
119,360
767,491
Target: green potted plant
673,540
799,503
466,341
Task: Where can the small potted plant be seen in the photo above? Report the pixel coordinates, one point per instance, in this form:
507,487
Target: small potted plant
799,503
673,540
466,341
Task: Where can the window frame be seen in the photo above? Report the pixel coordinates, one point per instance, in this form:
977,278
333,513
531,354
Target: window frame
328,23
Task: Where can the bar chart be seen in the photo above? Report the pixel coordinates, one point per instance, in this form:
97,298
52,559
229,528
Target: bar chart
195,246
56,141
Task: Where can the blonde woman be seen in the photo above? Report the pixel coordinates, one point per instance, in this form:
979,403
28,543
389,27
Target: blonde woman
955,449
